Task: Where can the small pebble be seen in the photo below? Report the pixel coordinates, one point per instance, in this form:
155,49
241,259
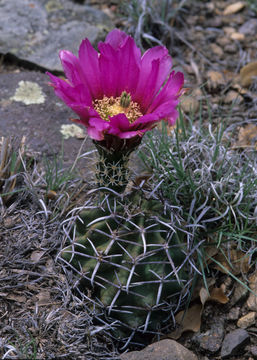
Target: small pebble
249,27
247,320
231,48
234,313
234,342
253,350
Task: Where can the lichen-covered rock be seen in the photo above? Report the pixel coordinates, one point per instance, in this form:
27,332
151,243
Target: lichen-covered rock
35,31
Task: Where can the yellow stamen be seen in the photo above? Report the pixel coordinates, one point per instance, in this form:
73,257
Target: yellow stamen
110,106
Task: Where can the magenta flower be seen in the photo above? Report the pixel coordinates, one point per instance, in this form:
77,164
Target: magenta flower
116,91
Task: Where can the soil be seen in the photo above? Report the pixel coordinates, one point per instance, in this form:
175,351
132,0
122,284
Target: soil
38,310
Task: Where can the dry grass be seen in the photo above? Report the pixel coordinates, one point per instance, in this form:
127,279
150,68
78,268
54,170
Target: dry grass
41,316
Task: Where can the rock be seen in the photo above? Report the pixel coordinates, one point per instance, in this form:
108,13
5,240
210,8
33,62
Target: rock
233,97
240,294
189,104
231,48
28,104
253,350
237,36
228,30
215,80
252,300
212,339
234,313
223,41
234,342
234,8
248,74
217,50
162,350
249,27
35,31
247,320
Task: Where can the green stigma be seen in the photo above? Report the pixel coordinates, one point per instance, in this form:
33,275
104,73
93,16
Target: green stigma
125,99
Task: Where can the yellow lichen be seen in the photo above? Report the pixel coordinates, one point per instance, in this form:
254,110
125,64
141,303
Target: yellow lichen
72,131
29,93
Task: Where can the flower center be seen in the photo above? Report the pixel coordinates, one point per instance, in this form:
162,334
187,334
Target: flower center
110,106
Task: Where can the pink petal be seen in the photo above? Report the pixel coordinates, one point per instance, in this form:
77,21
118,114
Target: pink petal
130,58
119,64
95,134
85,113
70,66
70,94
116,38
165,111
149,91
121,127
120,121
126,134
170,91
96,128
89,63
157,53
110,68
172,118
141,122
99,123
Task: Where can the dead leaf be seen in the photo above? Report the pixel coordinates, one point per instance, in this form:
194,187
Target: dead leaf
196,71
51,194
218,295
210,251
235,263
189,320
204,295
215,294
50,266
17,298
36,255
44,298
144,177
248,73
247,137
234,8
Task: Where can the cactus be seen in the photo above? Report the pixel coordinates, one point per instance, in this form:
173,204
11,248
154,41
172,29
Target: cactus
133,260
112,167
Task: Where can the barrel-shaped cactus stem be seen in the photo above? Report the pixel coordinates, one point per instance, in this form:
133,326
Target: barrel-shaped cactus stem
134,262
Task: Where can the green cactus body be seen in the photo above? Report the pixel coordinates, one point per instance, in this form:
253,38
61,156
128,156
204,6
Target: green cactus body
132,260
112,169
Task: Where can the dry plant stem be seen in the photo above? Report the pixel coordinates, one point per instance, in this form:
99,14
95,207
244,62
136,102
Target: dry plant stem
8,169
